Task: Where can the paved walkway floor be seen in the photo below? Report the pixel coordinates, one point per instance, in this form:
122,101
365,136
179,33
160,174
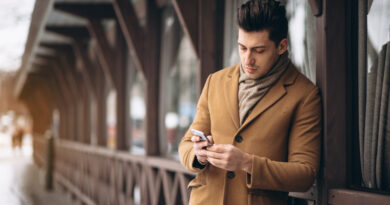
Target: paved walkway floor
21,181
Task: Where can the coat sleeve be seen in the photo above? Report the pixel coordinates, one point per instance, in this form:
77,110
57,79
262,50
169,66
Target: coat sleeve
299,172
201,122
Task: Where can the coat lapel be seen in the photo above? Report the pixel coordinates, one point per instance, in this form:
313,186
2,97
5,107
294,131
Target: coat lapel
273,95
231,95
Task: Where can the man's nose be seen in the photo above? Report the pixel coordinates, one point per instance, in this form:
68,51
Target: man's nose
249,59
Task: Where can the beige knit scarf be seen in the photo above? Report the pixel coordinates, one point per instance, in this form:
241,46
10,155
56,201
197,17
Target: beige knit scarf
251,91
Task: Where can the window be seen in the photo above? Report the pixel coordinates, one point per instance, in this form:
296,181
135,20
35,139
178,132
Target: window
374,81
137,112
302,37
111,119
179,78
230,55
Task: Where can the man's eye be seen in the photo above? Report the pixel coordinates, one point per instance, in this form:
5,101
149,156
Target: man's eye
243,48
259,51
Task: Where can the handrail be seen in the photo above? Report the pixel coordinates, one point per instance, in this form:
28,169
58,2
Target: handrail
153,161
104,176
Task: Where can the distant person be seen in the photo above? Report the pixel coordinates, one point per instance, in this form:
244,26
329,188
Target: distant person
17,137
262,118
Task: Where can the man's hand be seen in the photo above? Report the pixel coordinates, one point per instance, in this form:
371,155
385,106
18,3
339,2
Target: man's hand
198,148
229,157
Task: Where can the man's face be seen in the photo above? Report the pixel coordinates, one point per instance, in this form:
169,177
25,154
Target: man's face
257,52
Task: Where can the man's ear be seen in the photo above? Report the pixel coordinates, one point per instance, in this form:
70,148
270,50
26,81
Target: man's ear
283,45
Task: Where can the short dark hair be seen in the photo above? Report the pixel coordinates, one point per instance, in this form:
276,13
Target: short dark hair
258,15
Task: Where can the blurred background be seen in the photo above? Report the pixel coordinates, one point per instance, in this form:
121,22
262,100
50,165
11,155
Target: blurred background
95,95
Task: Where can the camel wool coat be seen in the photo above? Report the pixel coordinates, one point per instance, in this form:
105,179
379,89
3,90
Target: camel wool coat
282,132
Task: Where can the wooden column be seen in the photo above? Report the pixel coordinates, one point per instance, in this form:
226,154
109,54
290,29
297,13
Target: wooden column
88,71
202,21
67,64
151,61
122,106
144,44
33,110
132,31
87,115
41,96
65,117
71,108
84,65
61,103
39,105
101,108
71,76
134,36
210,45
332,75
103,49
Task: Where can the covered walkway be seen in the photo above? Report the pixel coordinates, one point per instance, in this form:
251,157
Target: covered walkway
111,86
22,182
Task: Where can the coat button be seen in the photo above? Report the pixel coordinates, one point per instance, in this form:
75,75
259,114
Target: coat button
238,138
230,174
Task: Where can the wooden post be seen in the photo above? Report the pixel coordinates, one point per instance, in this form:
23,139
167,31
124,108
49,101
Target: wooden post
202,21
331,78
49,160
153,44
210,38
122,107
132,31
101,108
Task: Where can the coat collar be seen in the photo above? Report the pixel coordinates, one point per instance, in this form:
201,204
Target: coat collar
231,91
276,92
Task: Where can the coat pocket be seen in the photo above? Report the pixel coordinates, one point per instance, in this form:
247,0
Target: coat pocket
198,181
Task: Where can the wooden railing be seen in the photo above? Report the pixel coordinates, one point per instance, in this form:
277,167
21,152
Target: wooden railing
97,175
102,176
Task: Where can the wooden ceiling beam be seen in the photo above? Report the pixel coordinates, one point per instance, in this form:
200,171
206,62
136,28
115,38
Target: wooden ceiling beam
87,10
55,88
64,79
84,65
64,53
104,50
95,12
79,34
66,70
73,32
61,82
132,31
162,3
187,12
52,89
61,47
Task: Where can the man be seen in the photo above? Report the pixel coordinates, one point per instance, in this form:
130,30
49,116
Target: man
262,116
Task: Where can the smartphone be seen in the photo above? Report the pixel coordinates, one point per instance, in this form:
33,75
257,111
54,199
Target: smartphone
200,134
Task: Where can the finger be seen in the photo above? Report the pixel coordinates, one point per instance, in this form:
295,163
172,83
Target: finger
215,155
200,144
217,148
218,163
195,138
200,153
211,139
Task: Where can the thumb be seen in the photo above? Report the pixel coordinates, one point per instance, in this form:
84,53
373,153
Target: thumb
211,139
